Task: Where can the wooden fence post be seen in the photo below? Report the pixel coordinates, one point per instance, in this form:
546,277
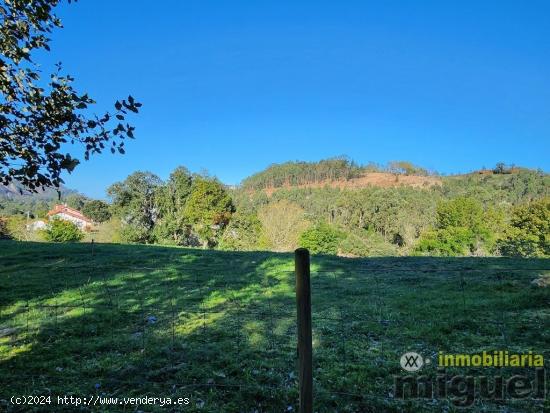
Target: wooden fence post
303,304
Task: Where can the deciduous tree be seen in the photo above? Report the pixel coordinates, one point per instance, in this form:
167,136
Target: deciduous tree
171,227
208,209
283,222
529,232
39,116
134,202
321,239
97,210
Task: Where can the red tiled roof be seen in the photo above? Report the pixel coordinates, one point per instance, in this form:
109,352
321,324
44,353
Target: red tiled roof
58,209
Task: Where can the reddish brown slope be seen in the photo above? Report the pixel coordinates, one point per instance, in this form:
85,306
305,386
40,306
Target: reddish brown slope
377,179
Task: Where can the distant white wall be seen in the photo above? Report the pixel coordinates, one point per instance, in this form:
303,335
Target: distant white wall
78,222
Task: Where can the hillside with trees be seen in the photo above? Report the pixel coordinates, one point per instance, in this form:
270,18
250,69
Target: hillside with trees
327,172
502,211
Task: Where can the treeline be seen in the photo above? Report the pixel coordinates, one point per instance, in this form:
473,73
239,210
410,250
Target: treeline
335,169
473,215
476,214
188,209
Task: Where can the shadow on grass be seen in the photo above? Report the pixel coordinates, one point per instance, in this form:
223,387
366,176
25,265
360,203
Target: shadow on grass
219,327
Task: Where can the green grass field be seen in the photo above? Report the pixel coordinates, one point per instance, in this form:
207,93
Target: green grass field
219,327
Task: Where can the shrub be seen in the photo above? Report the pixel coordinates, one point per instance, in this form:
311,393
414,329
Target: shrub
529,232
321,239
62,231
452,241
366,244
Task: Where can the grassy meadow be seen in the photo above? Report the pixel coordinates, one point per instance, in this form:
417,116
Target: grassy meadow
219,327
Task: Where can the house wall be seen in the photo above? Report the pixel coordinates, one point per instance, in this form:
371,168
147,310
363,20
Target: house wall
78,222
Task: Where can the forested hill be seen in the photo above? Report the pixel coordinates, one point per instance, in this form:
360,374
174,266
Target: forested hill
325,171
333,206
504,210
502,183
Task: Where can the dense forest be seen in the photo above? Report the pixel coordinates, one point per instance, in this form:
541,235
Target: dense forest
501,211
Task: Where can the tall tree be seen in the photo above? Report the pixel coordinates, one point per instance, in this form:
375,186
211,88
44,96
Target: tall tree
39,117
134,202
208,209
171,198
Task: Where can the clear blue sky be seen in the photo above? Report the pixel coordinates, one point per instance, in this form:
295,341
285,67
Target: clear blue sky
233,86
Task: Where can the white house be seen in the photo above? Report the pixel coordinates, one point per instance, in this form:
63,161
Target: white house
69,214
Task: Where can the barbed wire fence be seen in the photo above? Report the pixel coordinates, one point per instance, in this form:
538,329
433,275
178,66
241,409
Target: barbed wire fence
232,343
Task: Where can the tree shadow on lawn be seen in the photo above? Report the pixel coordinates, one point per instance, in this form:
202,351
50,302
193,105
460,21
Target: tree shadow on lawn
219,327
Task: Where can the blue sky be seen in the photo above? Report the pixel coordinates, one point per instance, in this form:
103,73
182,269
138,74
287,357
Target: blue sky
233,86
